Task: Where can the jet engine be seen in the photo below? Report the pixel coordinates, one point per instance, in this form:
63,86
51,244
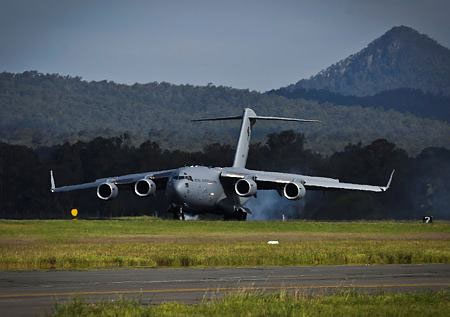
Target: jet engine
245,187
107,191
294,191
144,187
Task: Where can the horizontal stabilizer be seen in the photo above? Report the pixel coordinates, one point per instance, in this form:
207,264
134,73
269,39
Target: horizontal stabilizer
282,119
218,118
254,117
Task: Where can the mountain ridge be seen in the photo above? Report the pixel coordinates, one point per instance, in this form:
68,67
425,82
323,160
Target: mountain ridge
405,100
400,58
45,109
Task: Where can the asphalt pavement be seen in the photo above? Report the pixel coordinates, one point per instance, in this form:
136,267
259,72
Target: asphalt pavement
35,293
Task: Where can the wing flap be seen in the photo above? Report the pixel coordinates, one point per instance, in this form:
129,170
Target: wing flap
339,185
75,187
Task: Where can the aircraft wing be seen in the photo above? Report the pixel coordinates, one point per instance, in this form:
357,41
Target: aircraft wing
159,177
275,180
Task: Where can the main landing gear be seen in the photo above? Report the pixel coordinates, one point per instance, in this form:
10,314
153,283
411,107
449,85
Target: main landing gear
239,215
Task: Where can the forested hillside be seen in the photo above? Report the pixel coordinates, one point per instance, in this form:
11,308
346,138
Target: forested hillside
406,100
41,109
401,58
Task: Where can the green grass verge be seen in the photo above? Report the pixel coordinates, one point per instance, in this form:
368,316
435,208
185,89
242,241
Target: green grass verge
276,304
70,229
132,242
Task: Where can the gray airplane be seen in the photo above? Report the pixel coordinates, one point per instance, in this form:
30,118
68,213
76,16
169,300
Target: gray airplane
219,190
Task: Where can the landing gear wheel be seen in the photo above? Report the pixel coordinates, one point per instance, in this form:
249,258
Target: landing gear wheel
177,212
181,214
242,216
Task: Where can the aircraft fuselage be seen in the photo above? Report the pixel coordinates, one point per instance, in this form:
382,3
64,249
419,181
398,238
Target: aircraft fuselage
199,189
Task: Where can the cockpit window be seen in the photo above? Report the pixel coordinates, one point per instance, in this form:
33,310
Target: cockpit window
183,177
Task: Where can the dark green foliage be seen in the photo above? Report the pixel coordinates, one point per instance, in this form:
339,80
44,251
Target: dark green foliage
420,186
43,110
369,165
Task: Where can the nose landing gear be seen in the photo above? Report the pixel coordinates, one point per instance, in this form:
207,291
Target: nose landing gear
177,212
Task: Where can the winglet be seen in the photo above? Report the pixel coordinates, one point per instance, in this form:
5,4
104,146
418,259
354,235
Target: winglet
389,182
52,182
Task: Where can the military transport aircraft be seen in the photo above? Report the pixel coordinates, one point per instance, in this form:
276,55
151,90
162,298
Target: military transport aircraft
220,190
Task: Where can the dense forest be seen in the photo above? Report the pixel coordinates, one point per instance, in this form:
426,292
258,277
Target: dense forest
406,100
421,185
46,109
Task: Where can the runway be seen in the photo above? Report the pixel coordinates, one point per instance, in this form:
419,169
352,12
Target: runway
34,293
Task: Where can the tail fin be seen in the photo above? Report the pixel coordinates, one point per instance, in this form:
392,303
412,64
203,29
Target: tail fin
249,118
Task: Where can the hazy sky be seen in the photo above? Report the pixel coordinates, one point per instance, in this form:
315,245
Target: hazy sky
258,45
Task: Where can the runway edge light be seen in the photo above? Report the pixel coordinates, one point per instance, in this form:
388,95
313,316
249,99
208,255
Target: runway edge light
74,212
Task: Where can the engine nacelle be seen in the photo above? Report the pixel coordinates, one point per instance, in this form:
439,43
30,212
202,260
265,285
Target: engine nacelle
144,187
245,187
294,191
107,191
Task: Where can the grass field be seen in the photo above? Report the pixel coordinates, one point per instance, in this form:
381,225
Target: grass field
277,304
144,241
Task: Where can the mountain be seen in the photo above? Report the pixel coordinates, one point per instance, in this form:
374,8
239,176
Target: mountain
401,58
45,109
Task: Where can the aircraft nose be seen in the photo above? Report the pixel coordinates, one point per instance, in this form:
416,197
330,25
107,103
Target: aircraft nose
180,189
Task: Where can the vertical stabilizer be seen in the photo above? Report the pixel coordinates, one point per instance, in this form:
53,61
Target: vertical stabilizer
249,118
240,157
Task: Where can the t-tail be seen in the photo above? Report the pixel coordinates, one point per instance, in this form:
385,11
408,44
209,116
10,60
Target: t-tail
249,118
